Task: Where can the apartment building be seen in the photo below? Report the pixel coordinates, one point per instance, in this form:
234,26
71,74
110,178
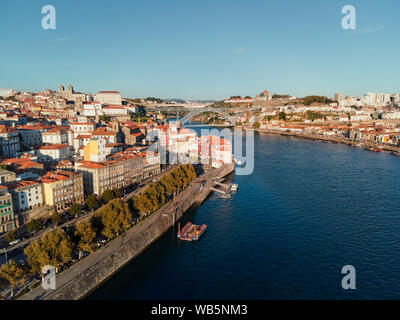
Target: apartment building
151,164
100,176
133,165
95,150
109,135
55,136
8,221
92,109
54,152
61,189
31,135
82,128
9,141
26,195
114,110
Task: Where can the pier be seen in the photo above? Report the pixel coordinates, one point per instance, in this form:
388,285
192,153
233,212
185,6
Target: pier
226,188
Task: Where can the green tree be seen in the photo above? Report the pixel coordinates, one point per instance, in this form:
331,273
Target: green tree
280,96
117,193
86,235
56,217
35,225
115,217
13,274
105,118
107,195
256,125
11,236
282,115
54,249
312,115
75,209
91,202
319,99
158,193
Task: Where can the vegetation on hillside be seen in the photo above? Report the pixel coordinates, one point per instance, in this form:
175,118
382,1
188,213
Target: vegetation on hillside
319,99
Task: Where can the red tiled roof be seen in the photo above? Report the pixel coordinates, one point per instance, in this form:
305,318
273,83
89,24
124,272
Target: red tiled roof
21,184
5,129
56,146
102,131
109,92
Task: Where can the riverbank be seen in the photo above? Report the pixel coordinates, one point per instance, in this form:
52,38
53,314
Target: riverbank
333,139
86,275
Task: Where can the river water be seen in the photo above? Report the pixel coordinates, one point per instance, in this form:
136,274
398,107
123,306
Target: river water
308,209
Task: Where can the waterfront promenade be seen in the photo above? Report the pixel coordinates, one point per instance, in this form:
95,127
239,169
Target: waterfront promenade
98,266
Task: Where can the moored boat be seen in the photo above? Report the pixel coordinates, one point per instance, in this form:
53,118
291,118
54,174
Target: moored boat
184,230
191,232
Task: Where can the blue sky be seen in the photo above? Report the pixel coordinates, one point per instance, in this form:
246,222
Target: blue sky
209,49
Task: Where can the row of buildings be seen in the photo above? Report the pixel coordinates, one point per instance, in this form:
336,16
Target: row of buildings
52,155
374,99
36,193
184,145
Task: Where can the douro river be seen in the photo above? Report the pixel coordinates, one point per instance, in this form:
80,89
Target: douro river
308,209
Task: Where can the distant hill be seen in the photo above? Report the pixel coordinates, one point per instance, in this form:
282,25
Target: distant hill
203,101
175,100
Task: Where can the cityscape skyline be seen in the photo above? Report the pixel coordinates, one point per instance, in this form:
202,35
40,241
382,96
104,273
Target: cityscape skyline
218,50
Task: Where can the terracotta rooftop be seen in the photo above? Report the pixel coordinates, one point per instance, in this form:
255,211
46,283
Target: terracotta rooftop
21,184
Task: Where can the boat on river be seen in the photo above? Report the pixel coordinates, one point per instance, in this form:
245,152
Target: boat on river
191,232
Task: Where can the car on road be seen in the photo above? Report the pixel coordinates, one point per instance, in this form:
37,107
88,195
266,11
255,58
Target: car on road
101,240
15,242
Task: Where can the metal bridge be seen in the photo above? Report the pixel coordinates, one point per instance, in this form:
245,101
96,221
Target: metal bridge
189,113
195,112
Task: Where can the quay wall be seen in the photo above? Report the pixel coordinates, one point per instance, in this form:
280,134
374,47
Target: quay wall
366,144
128,246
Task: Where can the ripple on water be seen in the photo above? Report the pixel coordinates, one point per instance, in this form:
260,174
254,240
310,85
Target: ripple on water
308,209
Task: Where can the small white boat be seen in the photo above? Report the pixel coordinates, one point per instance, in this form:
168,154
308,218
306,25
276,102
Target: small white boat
239,163
234,187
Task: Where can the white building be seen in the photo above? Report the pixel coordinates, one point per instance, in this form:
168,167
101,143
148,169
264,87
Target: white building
92,109
54,152
26,195
376,99
109,97
391,115
55,136
82,127
9,141
114,110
